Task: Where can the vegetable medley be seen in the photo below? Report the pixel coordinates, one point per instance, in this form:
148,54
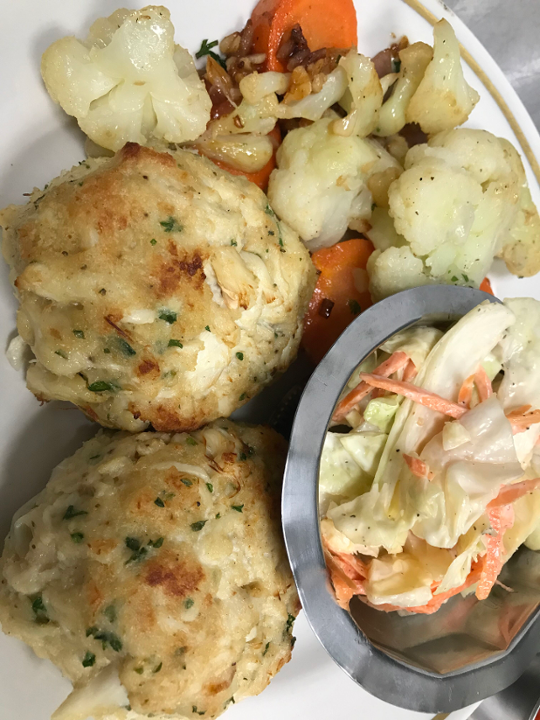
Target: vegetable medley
346,146
429,480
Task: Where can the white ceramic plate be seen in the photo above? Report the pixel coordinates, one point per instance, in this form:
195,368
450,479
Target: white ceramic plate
36,143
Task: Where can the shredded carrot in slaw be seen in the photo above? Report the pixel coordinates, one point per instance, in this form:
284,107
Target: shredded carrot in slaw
501,519
521,420
394,363
410,372
510,493
465,392
483,384
418,394
418,467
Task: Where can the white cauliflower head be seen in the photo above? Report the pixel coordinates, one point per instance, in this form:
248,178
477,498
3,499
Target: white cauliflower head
363,98
128,82
319,186
443,99
461,200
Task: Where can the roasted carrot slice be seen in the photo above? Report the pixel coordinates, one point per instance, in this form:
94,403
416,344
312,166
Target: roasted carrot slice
501,518
510,493
418,467
418,394
336,300
261,177
324,24
485,285
394,363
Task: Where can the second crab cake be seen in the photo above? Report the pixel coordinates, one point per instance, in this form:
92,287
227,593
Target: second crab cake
152,571
155,289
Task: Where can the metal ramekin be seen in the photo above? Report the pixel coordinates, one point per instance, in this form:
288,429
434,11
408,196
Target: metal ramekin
388,677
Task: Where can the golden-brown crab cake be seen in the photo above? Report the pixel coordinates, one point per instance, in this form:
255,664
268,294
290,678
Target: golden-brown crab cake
151,570
155,289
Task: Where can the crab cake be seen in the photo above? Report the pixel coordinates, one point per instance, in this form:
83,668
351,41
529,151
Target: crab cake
155,288
151,570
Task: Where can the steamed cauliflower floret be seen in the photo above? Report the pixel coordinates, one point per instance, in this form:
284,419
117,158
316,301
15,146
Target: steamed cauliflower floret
155,288
363,98
128,82
152,571
461,200
443,99
319,186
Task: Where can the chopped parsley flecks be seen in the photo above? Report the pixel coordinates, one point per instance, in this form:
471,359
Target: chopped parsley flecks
268,210
153,241
238,508
156,543
210,487
110,613
207,328
139,670
79,334
242,456
133,543
191,441
280,242
271,232
230,700
106,350
218,516
102,386
454,279
107,638
465,277
168,315
234,243
266,648
242,396
240,355
159,502
157,668
354,307
124,347
61,353
290,622
187,483
189,603
171,225
175,343
89,659
40,611
198,526
206,49
197,712
71,512
77,537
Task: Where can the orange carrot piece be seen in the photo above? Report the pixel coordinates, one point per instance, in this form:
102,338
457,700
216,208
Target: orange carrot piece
501,519
521,420
418,467
410,372
347,574
336,301
418,394
485,285
261,177
394,363
465,392
324,24
510,493
483,384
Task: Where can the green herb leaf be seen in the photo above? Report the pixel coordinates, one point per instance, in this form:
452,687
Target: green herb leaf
238,508
106,350
156,543
91,631
137,556
465,277
207,328
158,668
234,243
240,355
230,700
107,638
191,441
189,603
139,670
168,315
175,343
38,606
206,49
290,622
218,516
102,386
280,242
71,512
198,526
89,659
110,613
266,648
124,347
210,487
354,307
271,232
187,483
268,210
242,396
132,543
153,241
454,279
79,334
159,502
61,353
243,456
197,712
77,537
171,225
